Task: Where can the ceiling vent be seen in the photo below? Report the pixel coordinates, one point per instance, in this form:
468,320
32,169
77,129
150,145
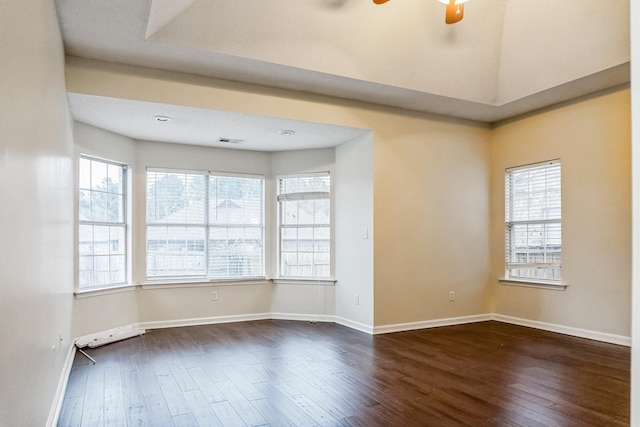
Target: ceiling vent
230,140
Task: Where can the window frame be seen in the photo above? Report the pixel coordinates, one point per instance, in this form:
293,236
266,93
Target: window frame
548,267
124,225
207,226
304,196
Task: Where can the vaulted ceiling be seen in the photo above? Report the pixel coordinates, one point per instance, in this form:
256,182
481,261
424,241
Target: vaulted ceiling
506,57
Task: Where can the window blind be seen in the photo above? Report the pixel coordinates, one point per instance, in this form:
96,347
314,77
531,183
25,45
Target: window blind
533,213
102,244
201,224
304,226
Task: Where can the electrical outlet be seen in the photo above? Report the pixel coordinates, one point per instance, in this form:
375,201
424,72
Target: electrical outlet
356,299
214,295
452,296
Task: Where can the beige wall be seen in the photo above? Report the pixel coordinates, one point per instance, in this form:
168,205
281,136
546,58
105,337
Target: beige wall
591,137
431,214
635,126
36,219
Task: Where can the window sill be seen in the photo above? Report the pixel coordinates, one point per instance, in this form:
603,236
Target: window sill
540,284
307,281
88,293
199,283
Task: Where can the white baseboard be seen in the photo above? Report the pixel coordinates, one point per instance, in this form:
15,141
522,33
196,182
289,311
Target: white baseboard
401,327
161,324
354,325
56,406
566,330
304,317
384,329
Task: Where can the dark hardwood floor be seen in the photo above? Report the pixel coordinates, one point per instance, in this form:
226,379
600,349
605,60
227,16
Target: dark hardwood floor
286,373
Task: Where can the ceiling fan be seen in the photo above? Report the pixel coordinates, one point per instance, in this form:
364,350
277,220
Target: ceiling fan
454,11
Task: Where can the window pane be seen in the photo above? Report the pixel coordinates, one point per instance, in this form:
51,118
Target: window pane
235,200
289,264
101,199
84,206
86,271
321,211
533,215
228,212
322,240
117,269
84,174
305,239
117,240
101,241
114,207
305,264
289,240
304,247
219,252
534,193
175,198
175,251
289,212
322,264
101,270
115,177
98,175
85,240
99,206
306,211
235,252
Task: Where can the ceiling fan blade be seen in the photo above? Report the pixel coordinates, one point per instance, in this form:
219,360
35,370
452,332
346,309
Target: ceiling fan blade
454,12
380,1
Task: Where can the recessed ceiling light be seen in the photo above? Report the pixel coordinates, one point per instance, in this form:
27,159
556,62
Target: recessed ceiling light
162,119
286,132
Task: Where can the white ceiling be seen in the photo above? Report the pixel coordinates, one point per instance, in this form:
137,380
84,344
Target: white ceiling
198,126
506,57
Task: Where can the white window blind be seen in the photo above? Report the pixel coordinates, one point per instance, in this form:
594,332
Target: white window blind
236,231
176,224
102,245
533,214
305,226
202,225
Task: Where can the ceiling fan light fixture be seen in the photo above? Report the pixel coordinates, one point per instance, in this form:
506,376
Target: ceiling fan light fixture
454,11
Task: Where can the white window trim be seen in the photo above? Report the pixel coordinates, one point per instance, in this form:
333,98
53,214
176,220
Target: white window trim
523,281
164,282
126,196
251,281
106,290
542,284
305,280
